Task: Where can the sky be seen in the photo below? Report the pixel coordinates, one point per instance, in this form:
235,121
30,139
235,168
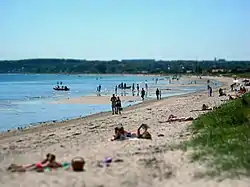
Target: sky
125,29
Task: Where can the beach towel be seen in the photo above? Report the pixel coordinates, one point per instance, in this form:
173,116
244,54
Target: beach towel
65,166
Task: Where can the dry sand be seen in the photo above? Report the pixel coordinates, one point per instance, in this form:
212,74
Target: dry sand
144,163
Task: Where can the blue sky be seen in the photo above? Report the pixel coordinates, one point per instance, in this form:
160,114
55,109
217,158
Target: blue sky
118,29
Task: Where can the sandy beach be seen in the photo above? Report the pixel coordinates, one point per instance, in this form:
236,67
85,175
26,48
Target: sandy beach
142,163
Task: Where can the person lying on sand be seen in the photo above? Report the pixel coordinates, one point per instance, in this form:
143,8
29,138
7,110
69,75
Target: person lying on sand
48,163
121,134
145,134
203,108
16,167
206,107
221,92
172,118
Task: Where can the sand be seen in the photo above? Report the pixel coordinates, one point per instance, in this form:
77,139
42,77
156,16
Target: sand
142,162
94,100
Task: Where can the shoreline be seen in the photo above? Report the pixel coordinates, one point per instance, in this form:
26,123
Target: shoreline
34,127
89,137
91,74
39,126
76,100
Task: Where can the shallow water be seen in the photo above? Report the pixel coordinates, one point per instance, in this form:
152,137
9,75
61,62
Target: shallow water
25,99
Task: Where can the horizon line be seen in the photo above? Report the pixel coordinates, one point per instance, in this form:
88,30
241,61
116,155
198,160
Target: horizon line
127,59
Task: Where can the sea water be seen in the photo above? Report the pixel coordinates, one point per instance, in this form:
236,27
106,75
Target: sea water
26,98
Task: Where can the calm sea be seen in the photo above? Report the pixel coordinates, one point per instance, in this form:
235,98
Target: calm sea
24,99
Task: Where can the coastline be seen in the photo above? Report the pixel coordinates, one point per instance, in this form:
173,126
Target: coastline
97,104
44,125
89,137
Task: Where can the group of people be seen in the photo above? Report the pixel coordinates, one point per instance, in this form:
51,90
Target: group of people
60,86
121,134
116,104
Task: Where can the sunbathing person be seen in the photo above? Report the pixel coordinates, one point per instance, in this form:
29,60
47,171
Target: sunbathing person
231,97
48,162
203,108
145,134
221,93
172,118
120,134
206,107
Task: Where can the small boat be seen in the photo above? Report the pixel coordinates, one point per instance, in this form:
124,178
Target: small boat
61,89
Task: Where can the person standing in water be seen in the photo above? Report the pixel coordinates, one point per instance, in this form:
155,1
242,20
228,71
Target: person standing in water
116,89
133,87
138,89
156,80
142,93
146,85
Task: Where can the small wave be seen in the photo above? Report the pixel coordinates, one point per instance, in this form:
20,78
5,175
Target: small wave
36,97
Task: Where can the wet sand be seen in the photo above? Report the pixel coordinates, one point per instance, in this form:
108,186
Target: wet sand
142,163
95,100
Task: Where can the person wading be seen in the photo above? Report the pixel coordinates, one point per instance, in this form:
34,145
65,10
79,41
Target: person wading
142,93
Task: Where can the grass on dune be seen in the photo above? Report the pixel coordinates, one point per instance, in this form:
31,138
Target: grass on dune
222,138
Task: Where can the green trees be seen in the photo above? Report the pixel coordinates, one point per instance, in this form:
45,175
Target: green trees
115,66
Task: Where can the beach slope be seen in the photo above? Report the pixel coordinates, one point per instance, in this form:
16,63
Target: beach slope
135,162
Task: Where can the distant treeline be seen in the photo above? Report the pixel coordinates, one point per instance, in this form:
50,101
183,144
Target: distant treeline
123,66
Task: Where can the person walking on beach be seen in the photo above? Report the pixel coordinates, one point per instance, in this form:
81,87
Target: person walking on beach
118,106
113,104
157,93
142,93
210,91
